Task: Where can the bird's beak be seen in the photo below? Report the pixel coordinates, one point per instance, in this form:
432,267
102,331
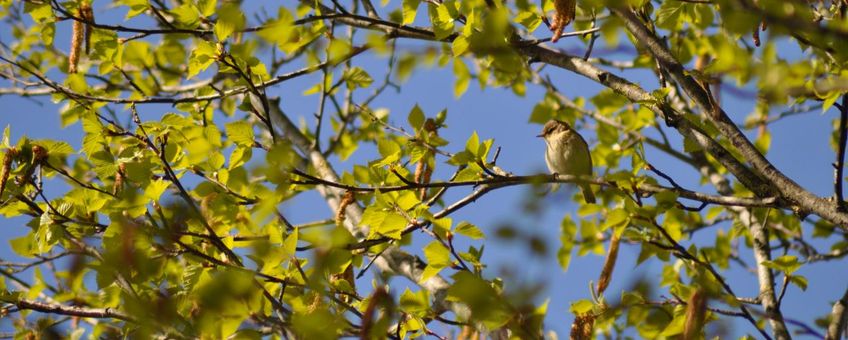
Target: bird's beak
540,136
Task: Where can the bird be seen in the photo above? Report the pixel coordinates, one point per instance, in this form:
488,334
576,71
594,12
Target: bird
567,153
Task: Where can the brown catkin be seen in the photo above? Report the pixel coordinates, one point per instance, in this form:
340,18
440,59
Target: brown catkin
582,327
696,312
39,153
609,264
77,39
468,333
565,11
7,167
371,312
702,61
423,170
119,178
87,14
347,199
425,179
422,176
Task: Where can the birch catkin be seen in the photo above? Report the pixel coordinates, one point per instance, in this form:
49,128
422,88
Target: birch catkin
7,167
80,34
565,11
696,312
87,14
609,264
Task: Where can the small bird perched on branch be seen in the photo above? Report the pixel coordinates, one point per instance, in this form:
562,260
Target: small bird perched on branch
568,154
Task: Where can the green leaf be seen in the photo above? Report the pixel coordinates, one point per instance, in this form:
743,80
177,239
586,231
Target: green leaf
486,304
472,145
7,134
417,303
201,57
389,150
136,7
155,189
48,32
829,100
280,30
338,50
437,254
392,226
463,77
616,219
529,20
230,19
438,257
670,15
48,233
410,8
763,142
463,158
470,230
441,19
357,77
240,133
290,243
207,7
799,281
39,11
416,117
23,245
187,15
441,225
676,325
568,230
666,199
581,306
785,263
459,45
239,156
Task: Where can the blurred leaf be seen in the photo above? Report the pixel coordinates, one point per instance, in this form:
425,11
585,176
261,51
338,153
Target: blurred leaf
410,8
786,263
230,19
470,230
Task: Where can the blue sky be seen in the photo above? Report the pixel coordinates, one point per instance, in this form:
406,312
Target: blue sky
800,148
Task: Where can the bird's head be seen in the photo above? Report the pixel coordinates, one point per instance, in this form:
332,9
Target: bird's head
553,128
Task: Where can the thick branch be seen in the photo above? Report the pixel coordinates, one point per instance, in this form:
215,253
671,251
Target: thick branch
586,69
777,181
784,185
637,94
72,310
838,319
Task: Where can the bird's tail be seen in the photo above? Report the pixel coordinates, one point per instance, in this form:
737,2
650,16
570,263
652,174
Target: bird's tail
588,195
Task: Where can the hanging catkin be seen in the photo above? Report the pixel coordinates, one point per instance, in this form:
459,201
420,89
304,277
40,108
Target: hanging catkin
565,10
81,33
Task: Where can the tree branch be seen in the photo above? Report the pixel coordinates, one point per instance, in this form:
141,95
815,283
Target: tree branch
681,252
72,310
840,156
777,182
509,180
838,318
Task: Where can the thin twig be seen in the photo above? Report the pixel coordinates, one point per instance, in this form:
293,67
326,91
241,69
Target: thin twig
840,156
